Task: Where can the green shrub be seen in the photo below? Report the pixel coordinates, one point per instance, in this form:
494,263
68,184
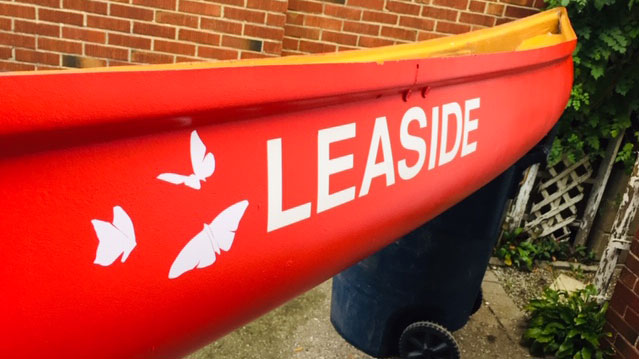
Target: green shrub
567,325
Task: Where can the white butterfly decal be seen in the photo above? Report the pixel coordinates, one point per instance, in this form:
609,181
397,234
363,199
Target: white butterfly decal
203,165
114,239
200,251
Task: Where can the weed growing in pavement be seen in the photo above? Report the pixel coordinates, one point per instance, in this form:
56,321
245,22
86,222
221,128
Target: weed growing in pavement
567,325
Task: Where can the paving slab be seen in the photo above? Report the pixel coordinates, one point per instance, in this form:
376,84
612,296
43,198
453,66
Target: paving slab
301,329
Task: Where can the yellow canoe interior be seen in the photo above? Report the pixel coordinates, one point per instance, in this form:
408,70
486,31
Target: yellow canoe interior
544,29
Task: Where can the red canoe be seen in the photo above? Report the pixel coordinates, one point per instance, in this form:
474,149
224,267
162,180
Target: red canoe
149,210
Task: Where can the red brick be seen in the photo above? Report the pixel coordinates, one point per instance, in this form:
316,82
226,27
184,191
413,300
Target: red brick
423,36
64,17
216,53
632,263
253,55
37,57
174,47
303,32
80,62
97,7
131,12
540,4
161,4
527,3
632,318
106,52
628,278
293,18
270,5
476,19
200,37
340,38
5,52
151,58
402,7
130,41
290,43
47,3
108,23
278,20
291,53
634,247
361,28
231,2
451,28
204,9
5,23
625,349
48,68
323,22
17,40
346,48
316,47
305,6
342,12
519,12
13,10
258,17
241,43
70,47
417,23
623,297
495,9
369,4
476,6
176,19
118,63
218,25
187,59
272,47
36,28
84,34
439,13
621,326
503,20
154,30
263,32
457,4
400,34
374,16
13,66
366,41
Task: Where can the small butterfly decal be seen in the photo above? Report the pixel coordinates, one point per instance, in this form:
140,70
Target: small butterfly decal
203,166
200,251
115,239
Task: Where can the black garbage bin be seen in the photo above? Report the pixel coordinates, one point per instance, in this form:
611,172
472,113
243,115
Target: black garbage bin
408,297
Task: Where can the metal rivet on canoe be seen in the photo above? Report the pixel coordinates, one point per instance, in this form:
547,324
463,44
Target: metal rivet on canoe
406,95
425,91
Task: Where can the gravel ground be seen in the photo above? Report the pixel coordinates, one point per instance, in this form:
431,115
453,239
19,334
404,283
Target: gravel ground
524,286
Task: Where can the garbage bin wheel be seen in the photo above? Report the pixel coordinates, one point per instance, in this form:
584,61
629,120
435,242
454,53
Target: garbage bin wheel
479,300
427,340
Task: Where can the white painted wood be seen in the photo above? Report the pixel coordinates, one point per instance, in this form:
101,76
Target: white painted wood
518,209
618,236
596,194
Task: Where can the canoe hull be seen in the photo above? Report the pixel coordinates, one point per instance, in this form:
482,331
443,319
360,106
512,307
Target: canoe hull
333,130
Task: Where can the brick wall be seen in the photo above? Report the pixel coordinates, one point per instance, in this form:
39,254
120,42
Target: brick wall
623,314
50,34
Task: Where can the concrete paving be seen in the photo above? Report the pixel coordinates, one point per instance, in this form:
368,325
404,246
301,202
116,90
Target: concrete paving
300,329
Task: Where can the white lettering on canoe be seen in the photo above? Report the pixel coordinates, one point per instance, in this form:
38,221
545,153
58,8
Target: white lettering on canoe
277,217
327,166
441,153
380,136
